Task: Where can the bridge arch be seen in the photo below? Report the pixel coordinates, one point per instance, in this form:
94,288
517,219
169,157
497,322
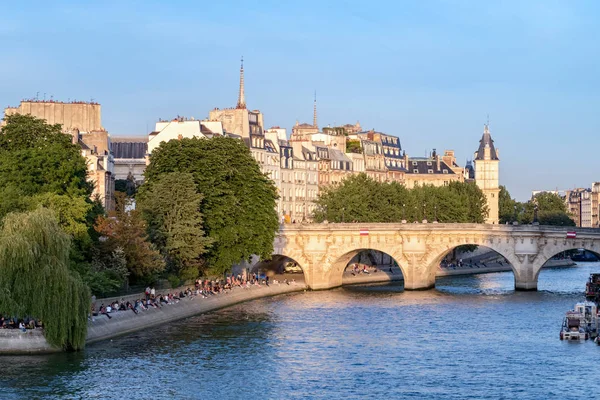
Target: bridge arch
282,266
509,259
554,249
341,262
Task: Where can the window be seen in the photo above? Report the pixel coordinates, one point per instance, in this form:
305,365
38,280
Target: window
415,171
429,163
430,171
445,171
415,163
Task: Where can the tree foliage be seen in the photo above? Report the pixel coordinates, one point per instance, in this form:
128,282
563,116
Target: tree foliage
37,158
361,199
125,229
35,279
551,209
171,207
238,202
507,206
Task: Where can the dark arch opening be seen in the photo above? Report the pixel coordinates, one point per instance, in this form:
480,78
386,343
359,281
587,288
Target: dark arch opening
370,266
568,271
474,268
280,269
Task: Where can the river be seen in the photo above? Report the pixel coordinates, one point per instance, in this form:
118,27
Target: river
472,337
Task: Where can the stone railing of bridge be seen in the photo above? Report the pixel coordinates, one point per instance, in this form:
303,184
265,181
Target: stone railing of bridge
324,250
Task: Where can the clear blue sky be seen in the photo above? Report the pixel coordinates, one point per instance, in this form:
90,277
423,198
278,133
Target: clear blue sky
427,71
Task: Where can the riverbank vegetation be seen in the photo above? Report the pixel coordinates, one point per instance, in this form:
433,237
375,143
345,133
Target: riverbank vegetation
548,208
237,203
362,199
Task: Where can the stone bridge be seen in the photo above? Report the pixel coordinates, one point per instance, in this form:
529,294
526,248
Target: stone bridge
324,250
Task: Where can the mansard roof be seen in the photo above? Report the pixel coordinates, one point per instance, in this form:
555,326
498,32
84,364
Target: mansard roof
129,147
423,165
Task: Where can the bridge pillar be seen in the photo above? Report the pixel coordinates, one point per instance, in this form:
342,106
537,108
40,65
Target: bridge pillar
417,273
526,272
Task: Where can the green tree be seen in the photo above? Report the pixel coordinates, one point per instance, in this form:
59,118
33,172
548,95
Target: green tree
239,201
38,158
125,229
507,206
551,210
35,279
171,207
361,199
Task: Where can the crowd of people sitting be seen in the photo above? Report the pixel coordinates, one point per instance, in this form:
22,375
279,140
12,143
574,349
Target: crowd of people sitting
356,269
468,264
19,323
202,289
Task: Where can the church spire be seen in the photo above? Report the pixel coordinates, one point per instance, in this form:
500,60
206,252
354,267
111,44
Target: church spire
241,98
315,112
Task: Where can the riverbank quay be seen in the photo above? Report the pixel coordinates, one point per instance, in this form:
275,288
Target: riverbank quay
15,341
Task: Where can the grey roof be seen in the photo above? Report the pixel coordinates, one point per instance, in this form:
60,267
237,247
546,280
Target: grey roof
486,141
422,167
337,155
131,149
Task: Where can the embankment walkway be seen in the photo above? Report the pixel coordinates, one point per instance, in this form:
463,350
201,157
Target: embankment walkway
14,341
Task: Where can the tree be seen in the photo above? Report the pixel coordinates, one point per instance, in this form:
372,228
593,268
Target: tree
126,230
38,158
507,206
35,279
171,207
551,210
239,201
361,199
127,186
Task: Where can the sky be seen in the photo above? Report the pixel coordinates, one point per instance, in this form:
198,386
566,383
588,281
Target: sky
427,71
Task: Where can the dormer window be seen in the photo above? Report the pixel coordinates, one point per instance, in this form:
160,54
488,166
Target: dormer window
430,171
429,163
415,171
415,163
445,171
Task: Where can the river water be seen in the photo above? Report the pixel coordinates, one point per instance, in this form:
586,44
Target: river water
472,337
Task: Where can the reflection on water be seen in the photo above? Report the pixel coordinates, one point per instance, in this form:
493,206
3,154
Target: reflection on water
473,337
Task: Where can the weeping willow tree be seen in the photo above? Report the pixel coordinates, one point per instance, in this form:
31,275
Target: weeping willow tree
35,279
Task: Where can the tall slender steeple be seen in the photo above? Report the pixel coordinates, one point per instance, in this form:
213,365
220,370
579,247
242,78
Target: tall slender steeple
315,112
241,98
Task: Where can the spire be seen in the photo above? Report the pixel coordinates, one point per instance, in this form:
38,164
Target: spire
241,99
315,112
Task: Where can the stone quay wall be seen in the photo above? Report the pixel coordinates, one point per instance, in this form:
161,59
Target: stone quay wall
14,341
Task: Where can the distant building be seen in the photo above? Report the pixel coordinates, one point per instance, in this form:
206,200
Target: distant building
180,128
130,155
486,173
583,206
430,170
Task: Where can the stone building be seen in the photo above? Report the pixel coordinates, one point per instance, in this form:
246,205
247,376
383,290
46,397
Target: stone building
431,170
76,115
583,205
486,173
179,128
81,120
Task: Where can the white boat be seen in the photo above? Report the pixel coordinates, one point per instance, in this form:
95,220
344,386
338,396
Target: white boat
581,323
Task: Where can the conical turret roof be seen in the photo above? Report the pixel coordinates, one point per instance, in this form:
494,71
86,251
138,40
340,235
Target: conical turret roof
485,142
